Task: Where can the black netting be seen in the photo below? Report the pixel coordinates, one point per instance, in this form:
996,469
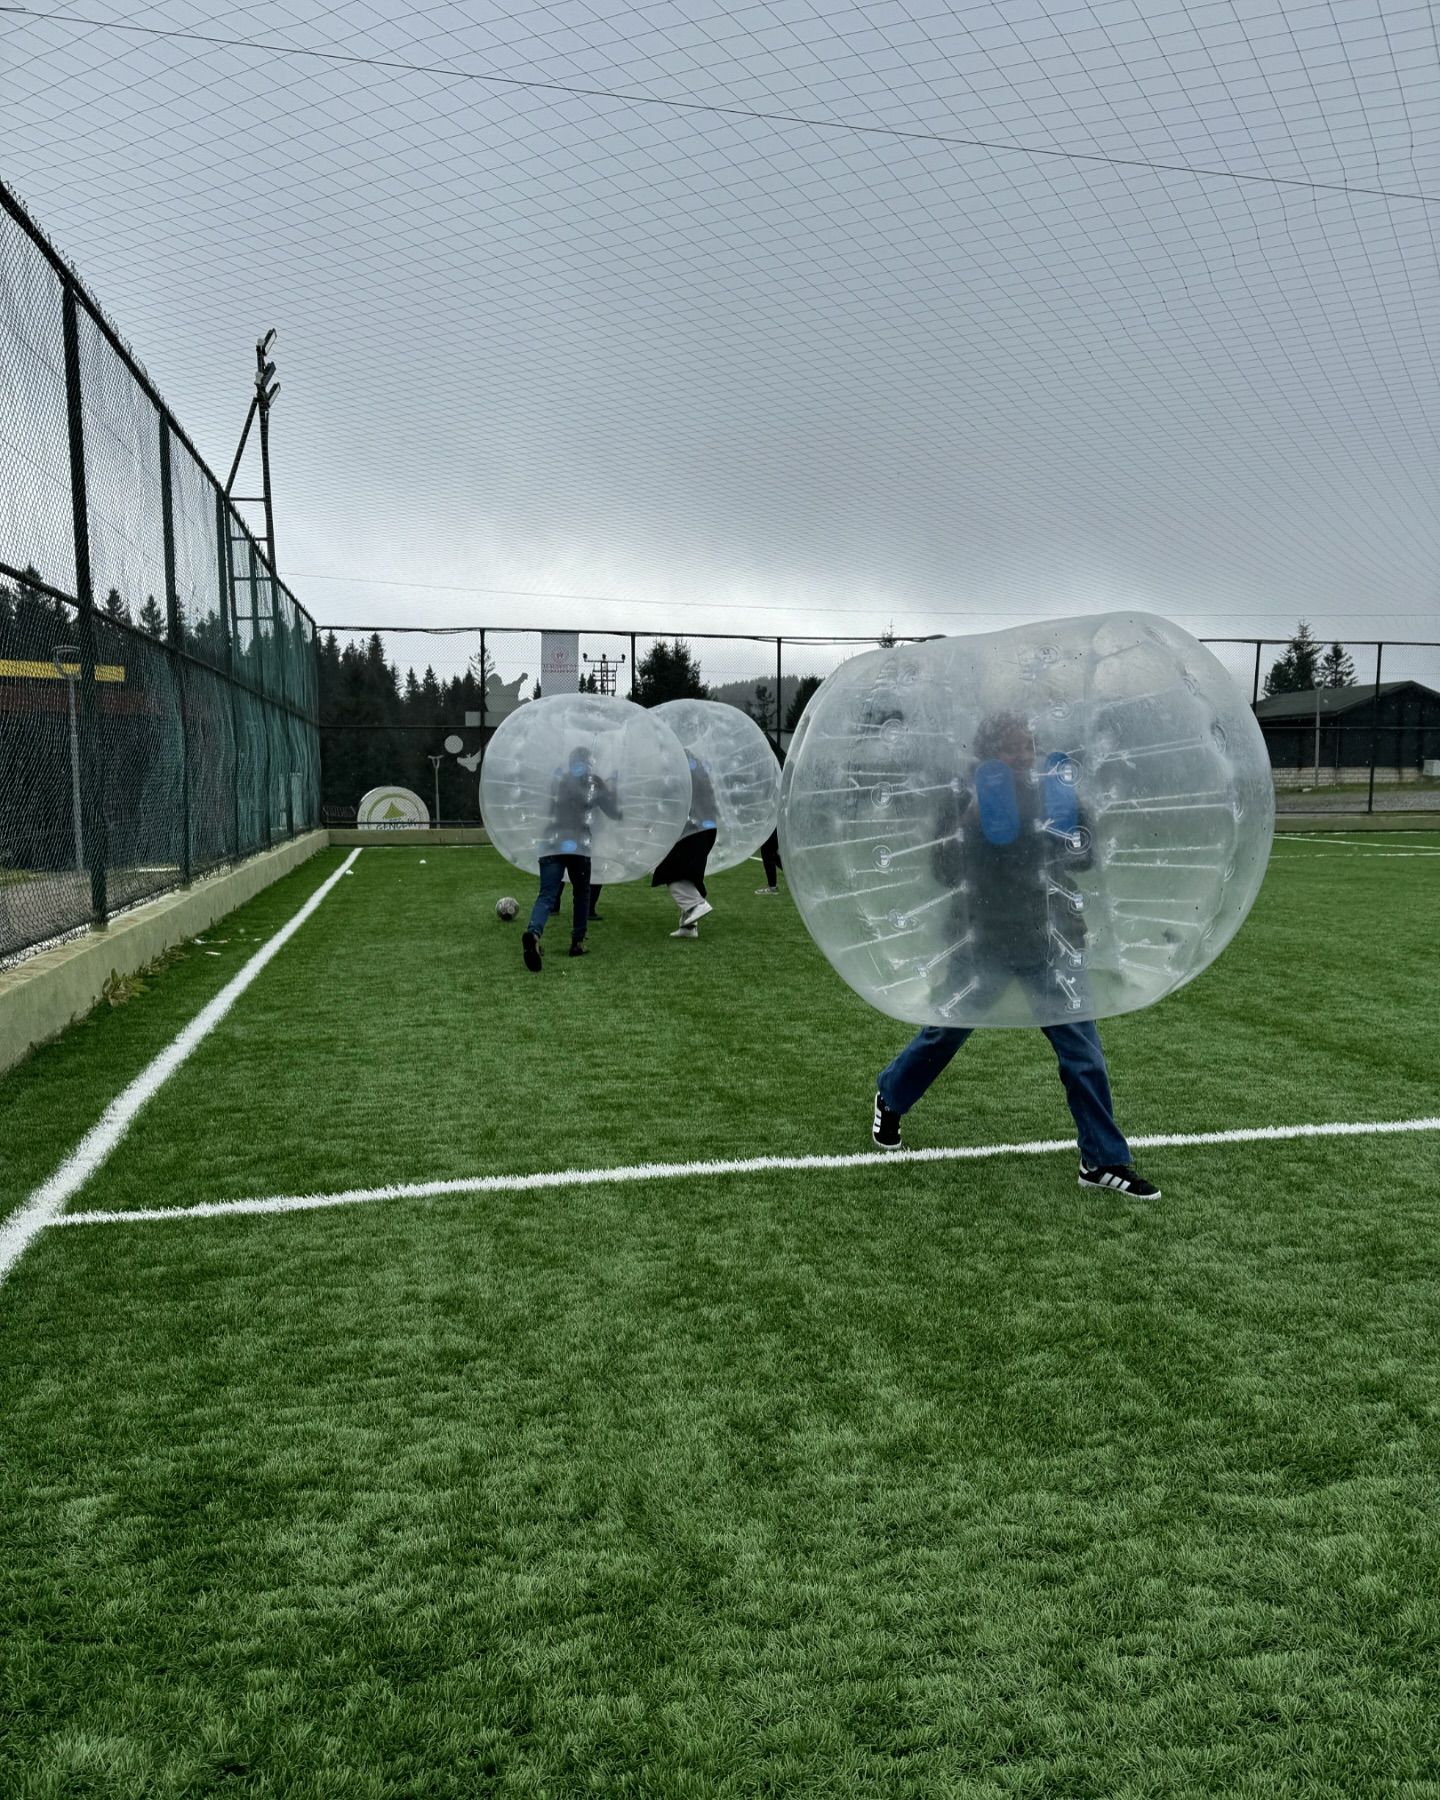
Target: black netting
199,613
173,726
140,754
210,766
251,771
122,487
44,868
36,526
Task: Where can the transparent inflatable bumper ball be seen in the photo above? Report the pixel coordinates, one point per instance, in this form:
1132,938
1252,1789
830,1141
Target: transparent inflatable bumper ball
735,777
585,775
1038,826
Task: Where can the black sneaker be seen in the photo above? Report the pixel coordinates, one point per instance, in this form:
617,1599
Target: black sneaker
579,949
1119,1178
530,950
885,1127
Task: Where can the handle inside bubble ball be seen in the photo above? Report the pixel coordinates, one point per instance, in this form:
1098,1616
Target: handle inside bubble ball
996,802
1062,808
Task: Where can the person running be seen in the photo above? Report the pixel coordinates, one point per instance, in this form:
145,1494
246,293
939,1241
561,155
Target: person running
770,857
1010,872
575,795
683,867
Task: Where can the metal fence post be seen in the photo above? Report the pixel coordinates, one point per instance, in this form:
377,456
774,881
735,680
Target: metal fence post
633,671
1375,726
227,618
173,637
264,702
1255,687
92,798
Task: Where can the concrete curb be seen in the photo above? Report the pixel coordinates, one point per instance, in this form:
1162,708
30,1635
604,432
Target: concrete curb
1345,824
47,992
383,837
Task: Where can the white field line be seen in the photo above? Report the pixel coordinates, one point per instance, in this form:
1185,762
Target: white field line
1375,843
874,1159
43,1207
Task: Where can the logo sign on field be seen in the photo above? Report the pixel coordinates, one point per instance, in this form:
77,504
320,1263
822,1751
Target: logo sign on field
392,809
559,662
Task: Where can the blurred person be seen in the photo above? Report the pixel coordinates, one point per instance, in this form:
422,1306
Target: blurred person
576,793
1008,916
682,869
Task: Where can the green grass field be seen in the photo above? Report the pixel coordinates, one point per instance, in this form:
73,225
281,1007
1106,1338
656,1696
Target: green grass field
924,1479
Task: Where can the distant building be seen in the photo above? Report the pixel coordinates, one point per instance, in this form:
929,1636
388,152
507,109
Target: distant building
1399,725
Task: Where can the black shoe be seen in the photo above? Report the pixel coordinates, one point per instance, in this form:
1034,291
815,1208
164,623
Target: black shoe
595,916
579,949
885,1127
530,950
1119,1178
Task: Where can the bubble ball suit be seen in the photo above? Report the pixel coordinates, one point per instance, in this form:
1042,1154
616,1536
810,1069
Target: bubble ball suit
739,769
585,775
1033,827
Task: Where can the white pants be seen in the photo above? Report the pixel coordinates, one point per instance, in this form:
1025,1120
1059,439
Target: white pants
685,894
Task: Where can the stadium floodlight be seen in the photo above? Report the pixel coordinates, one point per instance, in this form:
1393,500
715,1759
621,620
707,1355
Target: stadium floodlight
262,348
266,371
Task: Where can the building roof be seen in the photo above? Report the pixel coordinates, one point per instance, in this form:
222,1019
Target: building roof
1331,700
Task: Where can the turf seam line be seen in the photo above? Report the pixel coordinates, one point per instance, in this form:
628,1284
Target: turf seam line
43,1207
561,1178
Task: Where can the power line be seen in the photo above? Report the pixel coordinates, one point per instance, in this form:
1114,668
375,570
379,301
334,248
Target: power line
394,65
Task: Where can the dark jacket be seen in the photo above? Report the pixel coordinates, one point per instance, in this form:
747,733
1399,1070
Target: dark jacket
1007,899
573,802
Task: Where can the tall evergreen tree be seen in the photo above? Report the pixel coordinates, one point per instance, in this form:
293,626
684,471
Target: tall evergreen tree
152,617
800,700
1336,668
1297,669
668,672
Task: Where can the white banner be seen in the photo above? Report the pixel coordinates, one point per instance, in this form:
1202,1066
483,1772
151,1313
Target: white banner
559,662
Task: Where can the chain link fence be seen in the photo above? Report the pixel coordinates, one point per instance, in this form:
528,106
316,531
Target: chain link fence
158,686
416,706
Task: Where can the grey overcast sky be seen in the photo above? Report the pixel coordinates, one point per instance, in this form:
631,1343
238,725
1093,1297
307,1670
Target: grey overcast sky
782,372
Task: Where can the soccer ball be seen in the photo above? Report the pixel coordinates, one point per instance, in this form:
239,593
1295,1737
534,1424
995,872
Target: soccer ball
506,908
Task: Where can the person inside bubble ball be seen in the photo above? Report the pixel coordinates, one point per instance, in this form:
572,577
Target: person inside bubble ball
1002,881
576,793
683,867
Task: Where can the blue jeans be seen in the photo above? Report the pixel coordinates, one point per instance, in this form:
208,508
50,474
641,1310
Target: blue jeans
553,870
1082,1074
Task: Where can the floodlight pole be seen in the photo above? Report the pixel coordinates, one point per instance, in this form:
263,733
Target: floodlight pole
266,392
66,658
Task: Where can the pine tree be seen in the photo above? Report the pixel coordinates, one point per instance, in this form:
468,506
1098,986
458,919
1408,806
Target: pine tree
1297,669
668,672
1336,668
762,708
115,608
808,685
152,618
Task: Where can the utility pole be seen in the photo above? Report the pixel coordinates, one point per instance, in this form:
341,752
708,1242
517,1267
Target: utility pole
435,762
606,670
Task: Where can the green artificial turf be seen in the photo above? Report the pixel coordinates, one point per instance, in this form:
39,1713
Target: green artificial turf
910,1480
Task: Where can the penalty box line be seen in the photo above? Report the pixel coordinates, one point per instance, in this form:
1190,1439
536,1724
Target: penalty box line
572,1178
45,1206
